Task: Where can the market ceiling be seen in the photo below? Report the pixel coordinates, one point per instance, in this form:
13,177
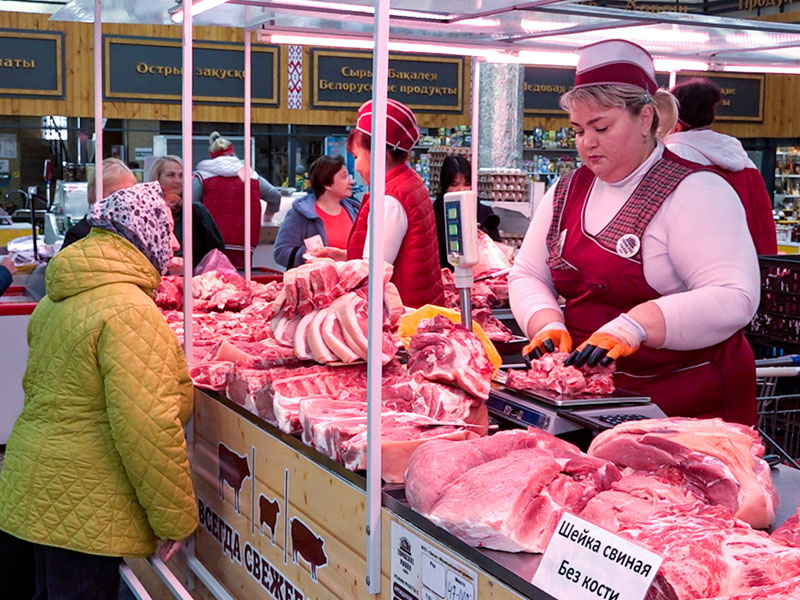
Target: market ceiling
502,27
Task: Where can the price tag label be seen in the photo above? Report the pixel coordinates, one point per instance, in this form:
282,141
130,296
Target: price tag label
584,561
423,571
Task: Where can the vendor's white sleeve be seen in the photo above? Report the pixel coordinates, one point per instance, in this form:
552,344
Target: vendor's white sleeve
530,286
395,226
712,253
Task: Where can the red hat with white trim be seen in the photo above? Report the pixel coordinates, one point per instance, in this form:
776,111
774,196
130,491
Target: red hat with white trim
615,61
401,124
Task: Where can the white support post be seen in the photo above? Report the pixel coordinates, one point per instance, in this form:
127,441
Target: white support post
247,151
186,112
673,79
476,119
98,100
380,76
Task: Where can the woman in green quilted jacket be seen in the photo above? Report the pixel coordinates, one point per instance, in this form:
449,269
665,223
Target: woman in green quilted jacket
96,466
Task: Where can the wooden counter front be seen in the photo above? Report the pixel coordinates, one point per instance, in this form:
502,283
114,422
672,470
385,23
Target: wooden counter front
299,530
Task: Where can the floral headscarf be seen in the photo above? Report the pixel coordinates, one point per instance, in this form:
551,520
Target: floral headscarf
139,214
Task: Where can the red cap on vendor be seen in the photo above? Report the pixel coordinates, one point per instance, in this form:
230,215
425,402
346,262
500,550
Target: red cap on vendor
613,62
401,124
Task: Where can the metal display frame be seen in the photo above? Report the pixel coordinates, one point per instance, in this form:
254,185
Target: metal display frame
492,30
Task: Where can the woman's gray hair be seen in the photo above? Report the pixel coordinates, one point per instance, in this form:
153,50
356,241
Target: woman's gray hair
157,168
113,170
630,97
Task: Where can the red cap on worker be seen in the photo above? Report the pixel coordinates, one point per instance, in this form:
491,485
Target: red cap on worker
401,124
615,61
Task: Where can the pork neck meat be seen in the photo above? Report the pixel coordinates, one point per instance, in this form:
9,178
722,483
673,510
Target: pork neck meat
720,462
550,373
444,351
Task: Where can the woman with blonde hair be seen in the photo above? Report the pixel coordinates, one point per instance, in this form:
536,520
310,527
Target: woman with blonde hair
219,185
650,251
168,171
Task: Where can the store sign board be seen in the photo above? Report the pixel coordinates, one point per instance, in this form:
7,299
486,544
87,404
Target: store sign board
543,86
585,562
31,64
139,69
742,95
422,570
424,83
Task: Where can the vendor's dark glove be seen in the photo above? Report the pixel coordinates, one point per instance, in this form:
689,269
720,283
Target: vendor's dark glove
550,337
619,337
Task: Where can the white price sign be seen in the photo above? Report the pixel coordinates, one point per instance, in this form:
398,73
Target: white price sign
586,562
422,571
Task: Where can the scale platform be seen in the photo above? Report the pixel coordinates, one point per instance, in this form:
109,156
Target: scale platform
558,414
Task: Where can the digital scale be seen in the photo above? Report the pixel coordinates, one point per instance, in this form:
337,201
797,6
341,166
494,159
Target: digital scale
558,414
461,230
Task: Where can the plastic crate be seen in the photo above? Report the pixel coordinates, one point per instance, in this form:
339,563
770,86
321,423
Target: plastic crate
777,321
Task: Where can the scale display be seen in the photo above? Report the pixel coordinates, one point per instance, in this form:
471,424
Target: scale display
455,240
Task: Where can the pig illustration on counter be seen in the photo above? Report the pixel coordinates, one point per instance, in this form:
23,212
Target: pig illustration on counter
308,545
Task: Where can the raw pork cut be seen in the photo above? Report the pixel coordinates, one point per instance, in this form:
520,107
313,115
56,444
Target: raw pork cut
437,464
254,355
169,294
721,462
634,498
514,502
789,532
549,373
212,375
401,434
785,590
491,325
220,291
443,351
709,553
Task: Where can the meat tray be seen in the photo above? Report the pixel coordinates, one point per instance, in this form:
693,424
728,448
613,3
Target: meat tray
555,399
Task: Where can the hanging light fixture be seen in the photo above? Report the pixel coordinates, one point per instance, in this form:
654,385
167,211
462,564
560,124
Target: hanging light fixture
201,6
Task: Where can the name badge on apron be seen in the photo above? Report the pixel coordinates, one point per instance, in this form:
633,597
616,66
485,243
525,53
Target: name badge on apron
628,245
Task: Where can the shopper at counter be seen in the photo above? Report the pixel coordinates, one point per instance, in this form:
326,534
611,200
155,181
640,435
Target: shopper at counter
116,176
328,212
96,466
456,176
168,171
692,139
650,251
7,270
409,240
219,184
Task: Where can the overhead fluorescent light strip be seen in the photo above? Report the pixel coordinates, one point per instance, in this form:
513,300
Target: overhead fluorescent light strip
198,7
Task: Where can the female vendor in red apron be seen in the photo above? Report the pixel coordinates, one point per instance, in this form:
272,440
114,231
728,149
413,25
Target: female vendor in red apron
651,277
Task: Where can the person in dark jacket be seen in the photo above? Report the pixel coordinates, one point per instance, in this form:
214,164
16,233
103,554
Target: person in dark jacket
328,212
168,171
456,176
7,270
116,176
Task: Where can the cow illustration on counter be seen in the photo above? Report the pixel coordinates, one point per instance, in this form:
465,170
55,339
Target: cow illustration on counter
268,515
233,470
308,545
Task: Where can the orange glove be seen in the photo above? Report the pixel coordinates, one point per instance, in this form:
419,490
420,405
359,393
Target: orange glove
619,337
550,337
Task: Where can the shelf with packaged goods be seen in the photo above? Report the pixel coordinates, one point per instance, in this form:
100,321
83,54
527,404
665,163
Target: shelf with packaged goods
787,175
550,150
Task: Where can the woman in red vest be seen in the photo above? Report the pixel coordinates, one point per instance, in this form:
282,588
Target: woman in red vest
219,185
650,251
692,139
409,240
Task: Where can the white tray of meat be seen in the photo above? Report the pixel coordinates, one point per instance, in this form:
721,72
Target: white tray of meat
549,381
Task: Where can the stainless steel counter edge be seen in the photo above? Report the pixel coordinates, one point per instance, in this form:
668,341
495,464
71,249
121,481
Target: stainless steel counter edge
515,570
